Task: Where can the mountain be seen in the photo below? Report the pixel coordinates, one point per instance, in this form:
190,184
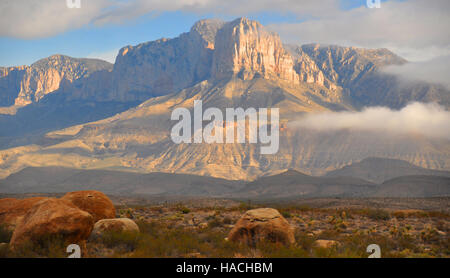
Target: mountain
415,186
60,179
120,118
35,99
359,72
20,86
293,184
378,170
286,185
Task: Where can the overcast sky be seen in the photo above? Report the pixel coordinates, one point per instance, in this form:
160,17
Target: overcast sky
418,30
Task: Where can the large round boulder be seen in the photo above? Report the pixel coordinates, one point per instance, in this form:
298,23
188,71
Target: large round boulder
13,210
53,217
113,225
94,202
263,224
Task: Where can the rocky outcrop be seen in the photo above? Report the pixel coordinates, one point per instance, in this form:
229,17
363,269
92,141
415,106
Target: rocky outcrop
307,69
94,202
263,224
53,217
113,225
13,210
246,49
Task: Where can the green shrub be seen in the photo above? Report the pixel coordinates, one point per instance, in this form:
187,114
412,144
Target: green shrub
286,214
185,210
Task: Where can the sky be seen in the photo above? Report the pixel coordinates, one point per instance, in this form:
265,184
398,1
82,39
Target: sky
418,30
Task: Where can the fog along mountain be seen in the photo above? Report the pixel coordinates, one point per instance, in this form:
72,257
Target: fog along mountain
87,122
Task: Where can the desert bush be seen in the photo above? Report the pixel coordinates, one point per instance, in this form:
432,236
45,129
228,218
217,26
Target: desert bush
378,214
125,239
286,214
4,251
244,206
5,234
185,210
48,246
228,220
215,222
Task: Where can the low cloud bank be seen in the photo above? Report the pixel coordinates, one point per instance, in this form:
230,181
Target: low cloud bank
433,71
430,120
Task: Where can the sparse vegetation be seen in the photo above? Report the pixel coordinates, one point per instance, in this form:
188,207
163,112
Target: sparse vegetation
50,246
185,231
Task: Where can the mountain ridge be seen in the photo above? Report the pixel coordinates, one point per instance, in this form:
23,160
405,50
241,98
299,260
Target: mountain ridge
379,170
290,184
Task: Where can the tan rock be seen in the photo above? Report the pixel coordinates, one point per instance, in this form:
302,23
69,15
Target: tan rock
324,243
94,202
245,48
53,217
116,225
263,224
13,210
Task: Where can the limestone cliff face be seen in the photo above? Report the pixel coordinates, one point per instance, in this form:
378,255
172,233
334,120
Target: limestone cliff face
344,65
166,65
246,49
23,85
211,49
357,71
306,68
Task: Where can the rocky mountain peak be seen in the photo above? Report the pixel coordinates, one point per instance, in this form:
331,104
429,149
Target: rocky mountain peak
23,85
207,30
246,49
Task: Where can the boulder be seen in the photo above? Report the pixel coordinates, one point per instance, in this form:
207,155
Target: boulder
94,202
263,224
53,217
13,210
115,225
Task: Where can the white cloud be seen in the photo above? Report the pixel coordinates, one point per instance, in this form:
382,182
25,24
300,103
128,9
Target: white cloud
413,29
430,120
33,19
434,71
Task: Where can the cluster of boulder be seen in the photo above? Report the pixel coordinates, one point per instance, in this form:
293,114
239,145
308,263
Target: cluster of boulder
82,215
74,217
